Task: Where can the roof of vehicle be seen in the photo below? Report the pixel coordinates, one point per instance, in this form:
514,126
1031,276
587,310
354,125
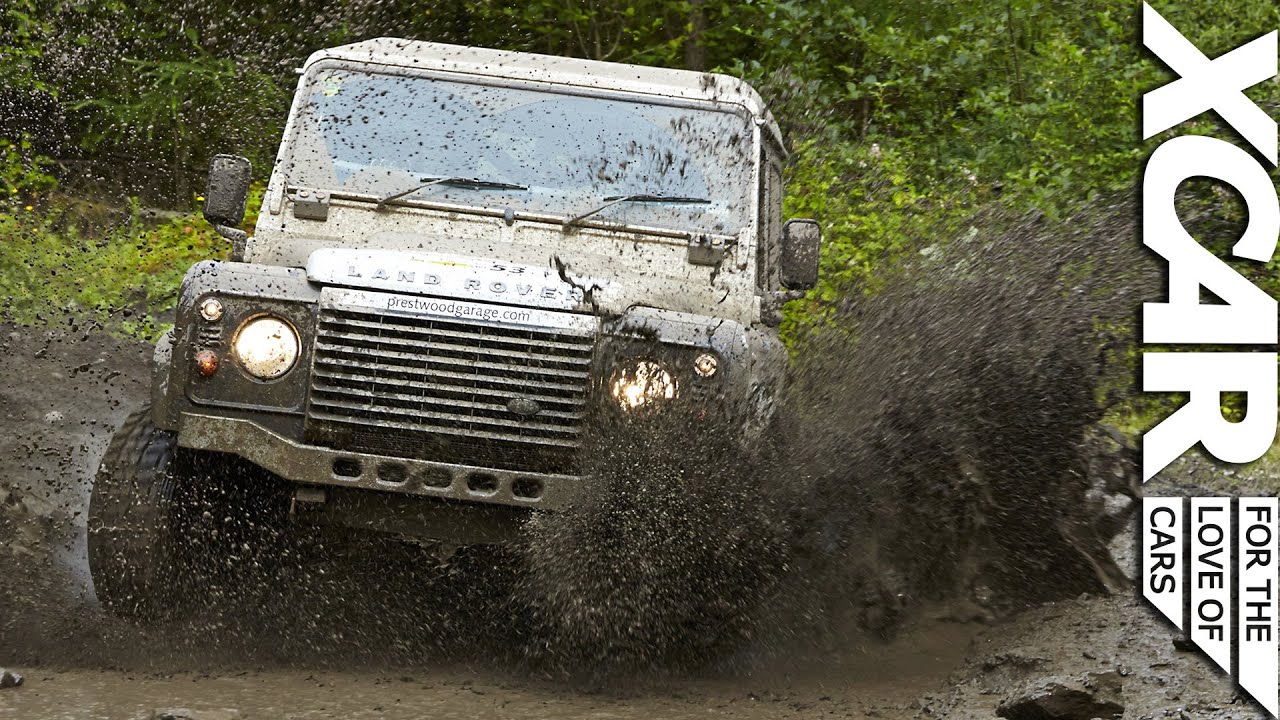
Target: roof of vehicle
664,82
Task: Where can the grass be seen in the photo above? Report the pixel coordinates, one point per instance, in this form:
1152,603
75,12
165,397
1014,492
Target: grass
80,262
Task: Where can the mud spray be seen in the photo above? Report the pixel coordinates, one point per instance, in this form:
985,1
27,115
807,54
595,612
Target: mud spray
939,447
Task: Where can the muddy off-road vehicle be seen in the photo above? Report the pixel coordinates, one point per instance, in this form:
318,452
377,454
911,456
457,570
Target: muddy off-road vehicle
462,257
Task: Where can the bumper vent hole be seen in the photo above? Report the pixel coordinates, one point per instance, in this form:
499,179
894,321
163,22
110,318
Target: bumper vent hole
527,488
393,473
482,483
437,478
346,468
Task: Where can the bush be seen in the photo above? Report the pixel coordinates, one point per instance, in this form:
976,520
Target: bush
61,266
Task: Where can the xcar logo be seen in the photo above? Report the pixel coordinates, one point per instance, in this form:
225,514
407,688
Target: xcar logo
1209,564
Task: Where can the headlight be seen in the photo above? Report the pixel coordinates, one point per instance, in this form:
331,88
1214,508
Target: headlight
640,383
266,347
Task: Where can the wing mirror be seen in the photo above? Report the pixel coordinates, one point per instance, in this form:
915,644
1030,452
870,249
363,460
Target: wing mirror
798,266
227,193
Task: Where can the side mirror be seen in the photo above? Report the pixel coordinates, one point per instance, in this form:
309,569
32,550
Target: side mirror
227,193
799,263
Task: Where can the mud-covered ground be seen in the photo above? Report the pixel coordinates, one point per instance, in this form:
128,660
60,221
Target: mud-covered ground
63,392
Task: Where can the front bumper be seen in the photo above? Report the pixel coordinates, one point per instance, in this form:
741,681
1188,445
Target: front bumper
315,465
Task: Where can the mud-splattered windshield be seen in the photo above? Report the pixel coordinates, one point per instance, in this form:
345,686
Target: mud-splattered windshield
382,133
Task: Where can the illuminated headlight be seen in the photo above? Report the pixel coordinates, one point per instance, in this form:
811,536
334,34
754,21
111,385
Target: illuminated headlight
641,383
266,347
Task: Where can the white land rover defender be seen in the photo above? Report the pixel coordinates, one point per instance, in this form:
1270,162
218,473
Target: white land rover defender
462,257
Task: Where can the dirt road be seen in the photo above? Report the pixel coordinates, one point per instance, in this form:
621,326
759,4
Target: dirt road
61,394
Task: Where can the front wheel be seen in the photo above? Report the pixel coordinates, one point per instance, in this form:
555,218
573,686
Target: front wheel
168,528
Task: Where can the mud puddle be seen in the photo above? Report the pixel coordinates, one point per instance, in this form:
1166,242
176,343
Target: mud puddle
874,681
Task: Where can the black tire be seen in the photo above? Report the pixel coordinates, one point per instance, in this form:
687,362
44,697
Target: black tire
171,531
135,554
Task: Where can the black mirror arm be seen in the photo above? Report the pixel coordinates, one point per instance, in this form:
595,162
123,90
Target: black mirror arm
239,240
771,305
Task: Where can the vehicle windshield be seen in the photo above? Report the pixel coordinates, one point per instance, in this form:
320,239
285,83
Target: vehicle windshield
383,133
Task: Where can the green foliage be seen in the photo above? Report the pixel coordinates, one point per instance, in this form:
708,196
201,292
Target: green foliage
873,209
176,112
24,174
23,34
52,270
700,34
1037,98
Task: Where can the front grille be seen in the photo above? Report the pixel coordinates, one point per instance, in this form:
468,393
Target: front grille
415,386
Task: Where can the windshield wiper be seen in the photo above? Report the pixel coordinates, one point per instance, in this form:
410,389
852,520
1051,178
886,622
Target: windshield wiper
427,182
616,199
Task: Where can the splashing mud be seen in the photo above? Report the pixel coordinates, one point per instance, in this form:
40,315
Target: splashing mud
657,569
948,423
941,444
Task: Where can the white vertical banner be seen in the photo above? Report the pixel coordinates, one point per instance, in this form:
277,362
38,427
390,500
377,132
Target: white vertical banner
1210,578
1257,563
1162,559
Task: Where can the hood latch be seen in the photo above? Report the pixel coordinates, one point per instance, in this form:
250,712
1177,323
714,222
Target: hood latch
707,249
310,204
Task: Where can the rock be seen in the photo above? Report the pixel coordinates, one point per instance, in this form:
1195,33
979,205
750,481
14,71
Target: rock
1092,695
53,417
9,679
1017,661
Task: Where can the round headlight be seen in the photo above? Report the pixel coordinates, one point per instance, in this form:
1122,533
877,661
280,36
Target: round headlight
266,347
641,383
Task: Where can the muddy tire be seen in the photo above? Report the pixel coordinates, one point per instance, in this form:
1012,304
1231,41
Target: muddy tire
171,531
134,550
